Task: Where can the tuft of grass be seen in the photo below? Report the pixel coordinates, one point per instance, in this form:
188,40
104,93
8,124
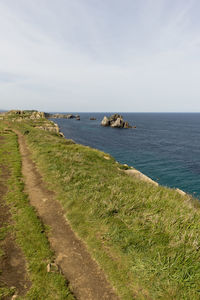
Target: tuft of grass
145,238
6,292
29,231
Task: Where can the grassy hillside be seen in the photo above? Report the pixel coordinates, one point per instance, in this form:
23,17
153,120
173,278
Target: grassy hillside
26,229
145,238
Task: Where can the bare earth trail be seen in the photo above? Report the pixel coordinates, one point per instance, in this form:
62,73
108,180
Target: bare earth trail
13,271
86,279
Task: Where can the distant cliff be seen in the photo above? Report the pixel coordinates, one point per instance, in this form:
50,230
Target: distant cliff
62,116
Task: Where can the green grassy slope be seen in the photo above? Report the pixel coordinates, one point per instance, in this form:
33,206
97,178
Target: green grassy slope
146,238
28,230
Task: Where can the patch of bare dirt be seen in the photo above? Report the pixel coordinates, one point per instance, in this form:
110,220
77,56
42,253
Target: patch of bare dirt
12,263
1,139
87,280
12,266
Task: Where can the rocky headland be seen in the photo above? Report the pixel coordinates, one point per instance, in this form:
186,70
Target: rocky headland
39,119
115,121
62,116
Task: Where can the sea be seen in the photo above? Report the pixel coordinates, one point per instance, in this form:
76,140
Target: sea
164,146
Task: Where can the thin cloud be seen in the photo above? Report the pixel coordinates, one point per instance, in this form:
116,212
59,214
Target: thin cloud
100,55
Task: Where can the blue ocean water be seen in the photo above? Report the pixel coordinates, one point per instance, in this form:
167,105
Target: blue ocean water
164,146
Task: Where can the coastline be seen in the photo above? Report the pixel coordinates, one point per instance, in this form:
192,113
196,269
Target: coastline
131,172
150,149
110,210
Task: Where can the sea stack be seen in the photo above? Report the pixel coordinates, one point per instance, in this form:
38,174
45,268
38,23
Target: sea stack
115,121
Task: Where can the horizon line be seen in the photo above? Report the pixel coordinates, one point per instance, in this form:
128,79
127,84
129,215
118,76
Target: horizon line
109,112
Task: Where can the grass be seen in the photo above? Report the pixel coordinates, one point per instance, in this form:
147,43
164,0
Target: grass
28,230
145,238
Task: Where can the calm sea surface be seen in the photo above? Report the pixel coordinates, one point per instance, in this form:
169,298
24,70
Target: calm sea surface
164,146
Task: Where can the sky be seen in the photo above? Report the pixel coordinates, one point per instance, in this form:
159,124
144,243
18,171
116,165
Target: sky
100,55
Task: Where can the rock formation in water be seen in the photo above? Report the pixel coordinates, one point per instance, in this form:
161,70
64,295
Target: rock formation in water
61,116
115,121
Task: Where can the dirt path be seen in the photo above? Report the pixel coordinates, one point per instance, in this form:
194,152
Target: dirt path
87,281
12,263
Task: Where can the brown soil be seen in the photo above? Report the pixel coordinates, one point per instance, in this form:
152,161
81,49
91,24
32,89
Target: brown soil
12,263
87,280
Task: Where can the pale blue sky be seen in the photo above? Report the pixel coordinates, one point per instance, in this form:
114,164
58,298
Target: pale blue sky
100,55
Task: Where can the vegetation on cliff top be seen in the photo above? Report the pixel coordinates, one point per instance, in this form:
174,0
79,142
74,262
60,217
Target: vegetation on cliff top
145,238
